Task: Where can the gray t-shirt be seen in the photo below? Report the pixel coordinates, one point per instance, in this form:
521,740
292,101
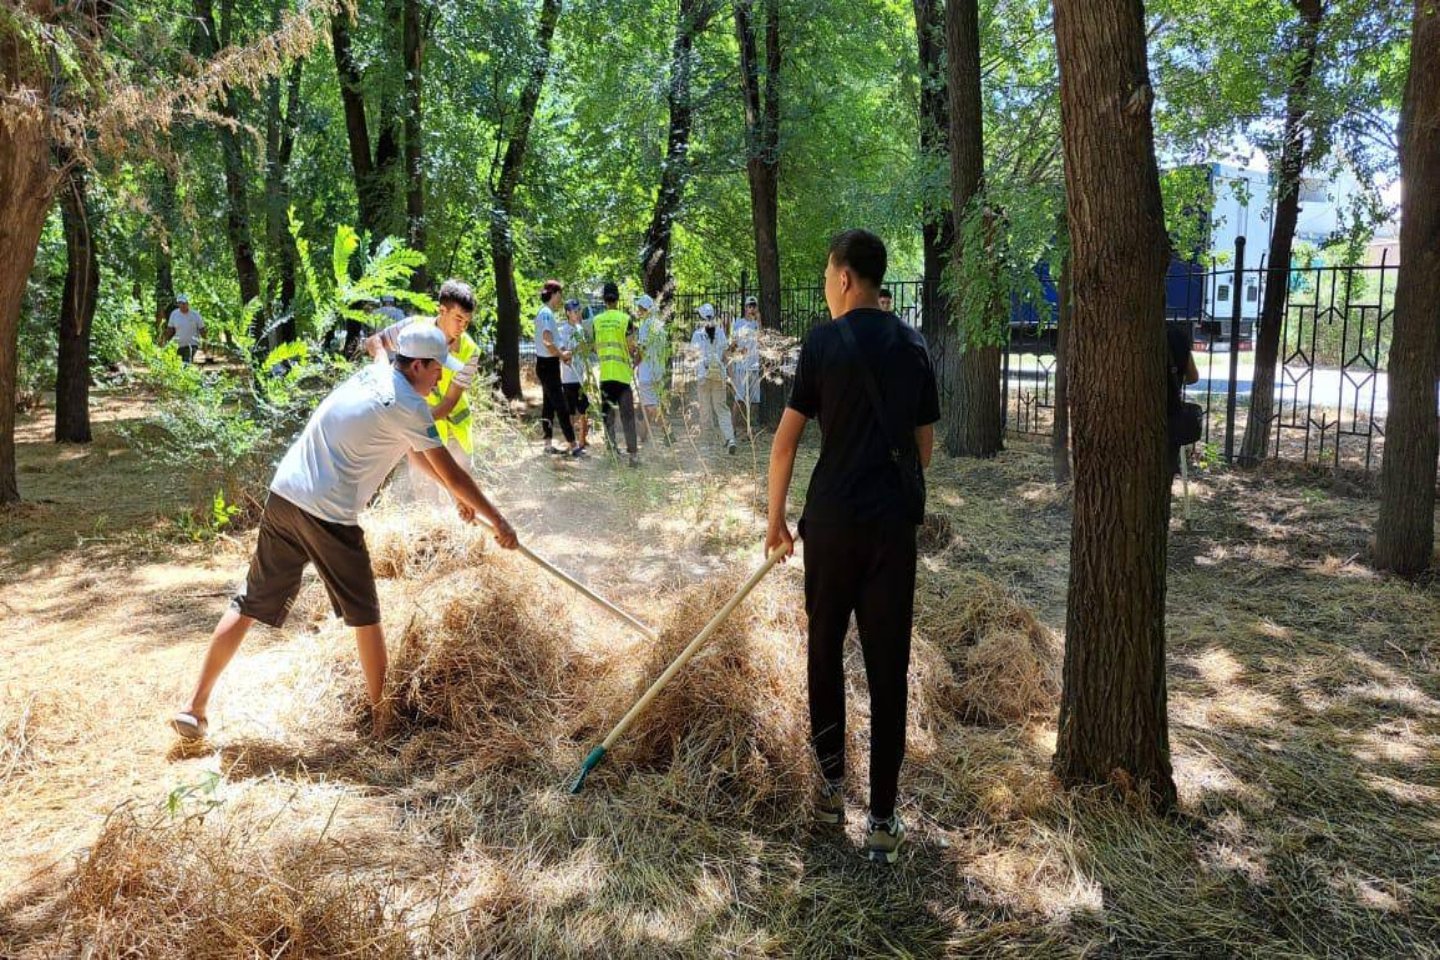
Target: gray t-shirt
545,320
572,338
352,442
187,326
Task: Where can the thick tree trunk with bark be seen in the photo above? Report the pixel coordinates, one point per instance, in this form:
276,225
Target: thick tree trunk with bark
1060,432
1282,235
694,16
502,200
77,312
412,44
374,180
1405,530
1113,724
279,148
973,424
937,229
761,88
27,184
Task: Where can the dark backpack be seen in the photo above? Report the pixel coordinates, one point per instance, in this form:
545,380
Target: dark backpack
903,452
1185,421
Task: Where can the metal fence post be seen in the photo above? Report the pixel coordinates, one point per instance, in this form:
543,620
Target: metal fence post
1234,350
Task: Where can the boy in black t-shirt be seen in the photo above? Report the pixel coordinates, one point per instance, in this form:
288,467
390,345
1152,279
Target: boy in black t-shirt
860,542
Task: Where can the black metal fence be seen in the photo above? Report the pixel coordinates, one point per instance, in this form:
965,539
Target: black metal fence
1331,389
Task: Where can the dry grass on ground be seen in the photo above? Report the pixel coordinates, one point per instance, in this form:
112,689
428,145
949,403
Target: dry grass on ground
1305,712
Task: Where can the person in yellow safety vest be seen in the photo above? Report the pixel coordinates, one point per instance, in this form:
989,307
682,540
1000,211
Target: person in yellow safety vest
615,347
449,402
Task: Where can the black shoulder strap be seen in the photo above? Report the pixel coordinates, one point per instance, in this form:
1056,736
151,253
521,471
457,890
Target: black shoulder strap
868,377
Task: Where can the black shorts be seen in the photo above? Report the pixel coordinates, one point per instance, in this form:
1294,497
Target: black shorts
291,538
575,399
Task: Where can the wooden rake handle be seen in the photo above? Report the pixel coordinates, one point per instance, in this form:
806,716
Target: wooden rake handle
646,631
692,648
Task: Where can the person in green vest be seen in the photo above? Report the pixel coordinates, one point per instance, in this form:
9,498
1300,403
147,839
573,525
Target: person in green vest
616,350
449,402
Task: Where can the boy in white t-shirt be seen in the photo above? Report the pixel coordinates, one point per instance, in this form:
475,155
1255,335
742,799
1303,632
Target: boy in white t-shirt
654,342
184,326
574,343
327,477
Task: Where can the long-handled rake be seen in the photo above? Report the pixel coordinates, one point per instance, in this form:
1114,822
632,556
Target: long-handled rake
646,631
593,760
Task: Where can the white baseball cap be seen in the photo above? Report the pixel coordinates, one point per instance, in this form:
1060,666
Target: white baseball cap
420,340
707,311
182,299
645,302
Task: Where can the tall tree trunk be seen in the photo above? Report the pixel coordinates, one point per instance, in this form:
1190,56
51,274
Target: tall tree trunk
1405,530
373,172
762,145
1113,724
412,43
28,184
166,208
937,228
694,16
1060,431
973,425
77,311
237,207
279,148
1298,96
502,200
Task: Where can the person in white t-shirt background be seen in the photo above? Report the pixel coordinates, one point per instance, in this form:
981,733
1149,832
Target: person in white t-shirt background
353,440
185,327
574,341
745,363
654,342
709,345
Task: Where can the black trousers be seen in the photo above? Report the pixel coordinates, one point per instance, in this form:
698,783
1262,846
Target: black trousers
867,570
547,371
613,395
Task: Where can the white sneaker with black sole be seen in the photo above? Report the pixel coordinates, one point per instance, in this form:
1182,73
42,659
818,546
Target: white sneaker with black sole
886,837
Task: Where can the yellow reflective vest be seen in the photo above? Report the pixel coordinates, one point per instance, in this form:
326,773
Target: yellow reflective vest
611,329
457,423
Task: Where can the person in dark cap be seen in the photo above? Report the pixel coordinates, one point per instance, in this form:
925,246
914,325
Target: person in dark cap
615,347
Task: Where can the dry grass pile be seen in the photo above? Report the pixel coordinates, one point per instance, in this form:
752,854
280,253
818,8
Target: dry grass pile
418,543
482,668
187,888
731,728
1006,662
17,739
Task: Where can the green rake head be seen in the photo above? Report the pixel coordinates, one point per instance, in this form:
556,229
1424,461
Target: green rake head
591,762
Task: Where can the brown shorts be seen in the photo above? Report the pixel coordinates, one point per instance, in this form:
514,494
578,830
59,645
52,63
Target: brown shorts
290,538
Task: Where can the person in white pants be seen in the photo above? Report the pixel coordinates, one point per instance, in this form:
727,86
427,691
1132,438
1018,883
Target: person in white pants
712,388
745,364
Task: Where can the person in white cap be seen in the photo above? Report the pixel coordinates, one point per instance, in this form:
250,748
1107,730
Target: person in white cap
352,442
710,344
745,363
185,326
654,341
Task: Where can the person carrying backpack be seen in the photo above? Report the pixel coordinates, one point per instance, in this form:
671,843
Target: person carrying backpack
868,379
